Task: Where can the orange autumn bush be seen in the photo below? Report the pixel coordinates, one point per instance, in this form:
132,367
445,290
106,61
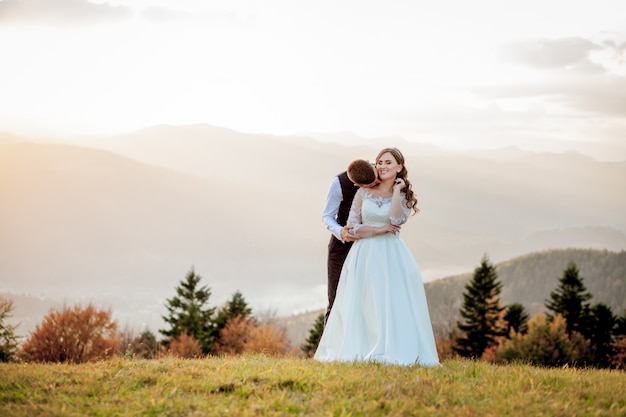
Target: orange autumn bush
74,334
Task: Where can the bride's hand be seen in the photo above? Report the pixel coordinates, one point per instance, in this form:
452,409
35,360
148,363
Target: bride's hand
390,228
399,184
348,235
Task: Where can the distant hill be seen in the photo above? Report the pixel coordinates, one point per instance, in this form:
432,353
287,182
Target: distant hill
529,279
7,138
88,222
506,203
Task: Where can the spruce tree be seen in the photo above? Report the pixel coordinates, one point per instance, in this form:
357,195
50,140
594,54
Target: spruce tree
602,329
480,312
315,334
8,338
235,307
570,300
188,312
516,318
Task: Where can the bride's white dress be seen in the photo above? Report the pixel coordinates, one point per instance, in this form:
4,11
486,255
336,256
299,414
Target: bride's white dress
380,312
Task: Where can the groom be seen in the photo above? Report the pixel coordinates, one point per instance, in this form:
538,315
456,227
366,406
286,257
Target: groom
360,173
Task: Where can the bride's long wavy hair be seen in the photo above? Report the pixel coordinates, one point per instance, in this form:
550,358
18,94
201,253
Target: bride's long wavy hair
411,200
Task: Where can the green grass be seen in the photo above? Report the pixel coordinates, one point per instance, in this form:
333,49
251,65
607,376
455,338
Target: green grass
265,386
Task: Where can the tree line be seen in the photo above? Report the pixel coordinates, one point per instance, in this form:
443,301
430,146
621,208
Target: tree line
573,332
530,278
194,328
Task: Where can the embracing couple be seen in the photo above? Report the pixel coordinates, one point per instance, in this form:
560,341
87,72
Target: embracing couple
377,308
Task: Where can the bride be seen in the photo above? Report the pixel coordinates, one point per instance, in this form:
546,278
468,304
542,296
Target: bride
380,312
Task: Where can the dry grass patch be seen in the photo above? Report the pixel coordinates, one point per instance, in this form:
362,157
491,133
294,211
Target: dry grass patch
268,386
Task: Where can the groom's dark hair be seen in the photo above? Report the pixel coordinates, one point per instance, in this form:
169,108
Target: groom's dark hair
361,172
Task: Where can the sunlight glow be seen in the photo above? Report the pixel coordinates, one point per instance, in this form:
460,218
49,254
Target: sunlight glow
408,69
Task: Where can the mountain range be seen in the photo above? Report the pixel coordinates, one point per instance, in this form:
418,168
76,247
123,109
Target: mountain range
121,220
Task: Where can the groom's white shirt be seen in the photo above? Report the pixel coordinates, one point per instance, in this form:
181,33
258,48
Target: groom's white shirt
333,200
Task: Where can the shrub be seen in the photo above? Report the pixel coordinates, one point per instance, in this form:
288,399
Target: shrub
269,339
75,334
445,345
185,346
144,346
546,343
618,360
246,335
234,335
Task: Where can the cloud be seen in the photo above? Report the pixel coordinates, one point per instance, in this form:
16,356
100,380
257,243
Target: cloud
535,128
579,75
601,95
551,53
59,11
616,53
605,96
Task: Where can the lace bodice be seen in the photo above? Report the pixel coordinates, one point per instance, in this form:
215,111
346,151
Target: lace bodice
368,210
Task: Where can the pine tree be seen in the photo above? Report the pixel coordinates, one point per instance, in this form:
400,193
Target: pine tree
315,334
516,318
189,312
236,306
8,338
570,300
602,329
480,312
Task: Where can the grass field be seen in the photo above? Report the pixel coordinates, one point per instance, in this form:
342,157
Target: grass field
267,386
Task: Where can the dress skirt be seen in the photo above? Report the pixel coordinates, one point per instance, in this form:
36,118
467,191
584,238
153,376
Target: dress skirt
380,313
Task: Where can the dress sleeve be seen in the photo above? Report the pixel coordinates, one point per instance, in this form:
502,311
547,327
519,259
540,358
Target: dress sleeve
406,213
354,218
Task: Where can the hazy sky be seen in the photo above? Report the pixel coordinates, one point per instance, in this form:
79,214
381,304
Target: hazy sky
457,73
